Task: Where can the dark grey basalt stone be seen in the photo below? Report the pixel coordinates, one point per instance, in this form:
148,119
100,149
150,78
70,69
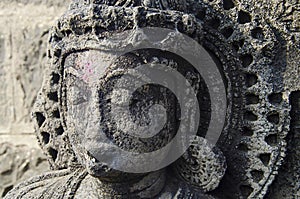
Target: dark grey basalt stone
251,147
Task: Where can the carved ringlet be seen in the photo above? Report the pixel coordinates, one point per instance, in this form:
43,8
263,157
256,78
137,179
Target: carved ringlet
242,62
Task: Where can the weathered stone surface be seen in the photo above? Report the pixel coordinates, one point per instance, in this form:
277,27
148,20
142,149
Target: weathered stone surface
23,42
286,184
17,163
257,46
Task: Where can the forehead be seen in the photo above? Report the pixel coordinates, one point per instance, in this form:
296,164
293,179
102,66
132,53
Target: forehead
88,65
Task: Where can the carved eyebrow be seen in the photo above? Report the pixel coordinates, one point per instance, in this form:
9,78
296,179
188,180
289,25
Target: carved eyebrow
72,71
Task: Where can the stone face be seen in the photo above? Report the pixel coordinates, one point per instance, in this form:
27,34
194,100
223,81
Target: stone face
255,45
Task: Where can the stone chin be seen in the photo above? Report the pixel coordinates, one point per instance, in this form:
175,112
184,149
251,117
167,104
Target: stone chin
103,172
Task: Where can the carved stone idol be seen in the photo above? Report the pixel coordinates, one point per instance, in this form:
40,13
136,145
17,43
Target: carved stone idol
93,146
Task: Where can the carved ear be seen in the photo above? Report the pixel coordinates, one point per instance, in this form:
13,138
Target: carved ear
201,166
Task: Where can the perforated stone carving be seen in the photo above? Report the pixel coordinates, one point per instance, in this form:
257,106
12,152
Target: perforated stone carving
253,139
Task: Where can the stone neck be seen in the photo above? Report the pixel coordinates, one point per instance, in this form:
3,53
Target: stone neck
148,186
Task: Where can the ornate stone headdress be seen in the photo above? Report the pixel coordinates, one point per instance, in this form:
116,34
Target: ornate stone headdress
242,47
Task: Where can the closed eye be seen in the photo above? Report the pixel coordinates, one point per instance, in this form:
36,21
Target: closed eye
78,90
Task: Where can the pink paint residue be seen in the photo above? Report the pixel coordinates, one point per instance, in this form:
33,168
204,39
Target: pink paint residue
88,71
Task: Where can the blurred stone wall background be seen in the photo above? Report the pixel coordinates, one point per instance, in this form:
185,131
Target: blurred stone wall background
24,26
